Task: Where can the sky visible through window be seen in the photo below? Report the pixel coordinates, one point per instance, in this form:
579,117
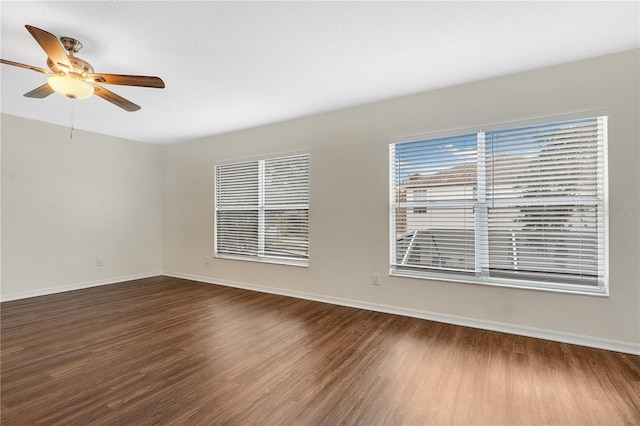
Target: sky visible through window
415,158
429,156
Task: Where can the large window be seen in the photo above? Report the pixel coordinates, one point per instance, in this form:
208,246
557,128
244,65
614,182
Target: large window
262,210
521,206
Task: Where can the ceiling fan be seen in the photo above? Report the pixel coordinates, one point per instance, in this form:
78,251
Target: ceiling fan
73,77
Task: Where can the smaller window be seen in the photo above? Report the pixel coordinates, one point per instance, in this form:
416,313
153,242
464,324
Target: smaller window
262,210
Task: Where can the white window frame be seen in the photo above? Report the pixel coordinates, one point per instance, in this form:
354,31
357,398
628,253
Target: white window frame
481,234
261,210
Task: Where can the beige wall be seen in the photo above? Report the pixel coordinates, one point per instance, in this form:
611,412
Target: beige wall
66,202
349,237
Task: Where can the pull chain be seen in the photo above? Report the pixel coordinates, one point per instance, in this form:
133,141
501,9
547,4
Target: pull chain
71,132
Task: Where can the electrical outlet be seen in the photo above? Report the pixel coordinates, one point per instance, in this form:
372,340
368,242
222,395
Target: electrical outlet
207,260
375,278
98,261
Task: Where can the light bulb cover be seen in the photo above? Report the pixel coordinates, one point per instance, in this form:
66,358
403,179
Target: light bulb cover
70,87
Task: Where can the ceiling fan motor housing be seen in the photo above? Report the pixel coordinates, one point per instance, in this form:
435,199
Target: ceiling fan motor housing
71,44
80,67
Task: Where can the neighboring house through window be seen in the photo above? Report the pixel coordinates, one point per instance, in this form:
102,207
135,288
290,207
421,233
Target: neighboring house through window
419,196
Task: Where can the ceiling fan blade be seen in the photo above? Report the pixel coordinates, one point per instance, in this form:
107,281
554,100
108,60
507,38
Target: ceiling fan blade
115,99
50,45
29,67
40,92
127,80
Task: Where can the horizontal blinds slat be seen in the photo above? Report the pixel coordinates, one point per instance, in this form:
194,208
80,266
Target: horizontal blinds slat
545,161
287,180
237,184
237,232
559,239
287,233
428,172
537,164
440,239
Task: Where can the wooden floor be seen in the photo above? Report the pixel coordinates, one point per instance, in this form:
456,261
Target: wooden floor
170,351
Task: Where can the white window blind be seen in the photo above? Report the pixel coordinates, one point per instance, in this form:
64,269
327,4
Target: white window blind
523,206
262,209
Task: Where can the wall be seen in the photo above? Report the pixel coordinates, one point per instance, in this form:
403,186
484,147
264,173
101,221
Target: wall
349,204
66,202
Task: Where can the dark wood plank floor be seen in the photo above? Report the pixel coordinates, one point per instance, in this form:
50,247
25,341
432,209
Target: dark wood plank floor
170,351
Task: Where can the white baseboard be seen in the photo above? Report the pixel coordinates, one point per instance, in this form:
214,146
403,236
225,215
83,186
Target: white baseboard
557,336
77,286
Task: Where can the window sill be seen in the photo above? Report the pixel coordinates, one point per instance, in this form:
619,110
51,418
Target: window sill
274,260
497,282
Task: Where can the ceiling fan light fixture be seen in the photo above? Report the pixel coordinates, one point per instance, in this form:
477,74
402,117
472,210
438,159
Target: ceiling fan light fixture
70,87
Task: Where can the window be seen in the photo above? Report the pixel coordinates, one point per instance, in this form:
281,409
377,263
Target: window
521,206
419,195
262,210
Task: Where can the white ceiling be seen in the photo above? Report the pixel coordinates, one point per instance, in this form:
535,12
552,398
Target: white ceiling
235,65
